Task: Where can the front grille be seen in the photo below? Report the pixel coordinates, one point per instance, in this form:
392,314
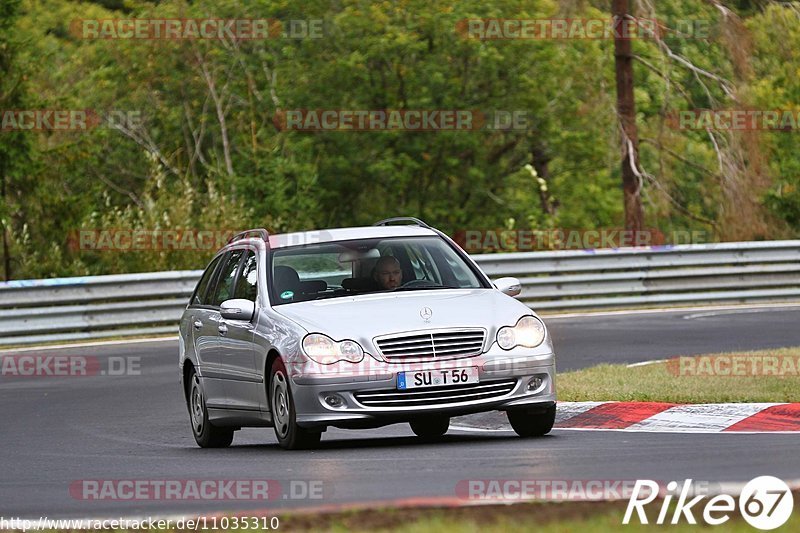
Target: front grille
442,344
444,395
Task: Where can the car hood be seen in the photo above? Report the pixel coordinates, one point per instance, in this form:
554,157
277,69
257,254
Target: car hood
365,317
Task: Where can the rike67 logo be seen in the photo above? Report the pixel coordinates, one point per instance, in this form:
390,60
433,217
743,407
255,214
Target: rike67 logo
765,503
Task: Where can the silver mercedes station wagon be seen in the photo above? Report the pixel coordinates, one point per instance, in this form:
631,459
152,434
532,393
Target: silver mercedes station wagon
358,328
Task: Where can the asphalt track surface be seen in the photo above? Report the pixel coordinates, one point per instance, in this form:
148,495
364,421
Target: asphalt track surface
56,431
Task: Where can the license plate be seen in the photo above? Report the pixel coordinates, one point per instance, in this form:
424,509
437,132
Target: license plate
437,378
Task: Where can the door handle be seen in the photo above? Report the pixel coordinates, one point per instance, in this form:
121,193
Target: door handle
223,329
198,324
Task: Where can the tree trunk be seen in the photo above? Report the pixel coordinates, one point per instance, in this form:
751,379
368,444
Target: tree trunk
6,253
541,163
626,109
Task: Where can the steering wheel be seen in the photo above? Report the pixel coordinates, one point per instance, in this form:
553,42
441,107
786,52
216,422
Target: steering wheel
419,283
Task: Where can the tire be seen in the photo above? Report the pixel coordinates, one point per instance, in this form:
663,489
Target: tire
206,434
430,427
284,416
532,424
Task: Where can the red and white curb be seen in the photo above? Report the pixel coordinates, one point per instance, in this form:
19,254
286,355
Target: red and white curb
657,417
678,418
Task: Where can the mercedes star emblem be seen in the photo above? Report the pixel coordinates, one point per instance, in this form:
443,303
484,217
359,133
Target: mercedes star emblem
426,314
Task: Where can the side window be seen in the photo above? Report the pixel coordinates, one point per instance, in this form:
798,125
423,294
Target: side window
199,296
227,275
422,263
247,284
324,266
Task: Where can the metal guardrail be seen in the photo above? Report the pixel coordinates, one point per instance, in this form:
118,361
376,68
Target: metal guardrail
34,311
60,309
737,272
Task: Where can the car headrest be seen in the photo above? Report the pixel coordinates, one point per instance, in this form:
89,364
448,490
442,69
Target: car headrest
366,267
285,278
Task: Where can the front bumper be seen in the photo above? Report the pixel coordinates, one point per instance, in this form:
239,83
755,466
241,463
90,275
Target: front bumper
504,379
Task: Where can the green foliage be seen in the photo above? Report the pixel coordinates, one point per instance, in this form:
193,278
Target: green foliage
15,146
204,152
776,86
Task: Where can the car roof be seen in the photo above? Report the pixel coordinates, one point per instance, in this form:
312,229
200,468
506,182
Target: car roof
300,238
346,234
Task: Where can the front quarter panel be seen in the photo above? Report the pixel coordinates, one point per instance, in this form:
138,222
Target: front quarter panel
276,334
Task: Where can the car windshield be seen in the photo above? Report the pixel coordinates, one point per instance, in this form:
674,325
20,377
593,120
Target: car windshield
348,268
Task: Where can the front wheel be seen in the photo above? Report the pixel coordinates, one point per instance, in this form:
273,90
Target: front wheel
284,417
532,424
205,433
430,428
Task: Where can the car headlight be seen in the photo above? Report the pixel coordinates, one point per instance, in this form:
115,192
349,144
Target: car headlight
324,350
529,331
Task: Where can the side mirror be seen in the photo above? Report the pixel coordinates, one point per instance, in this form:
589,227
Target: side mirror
237,309
509,286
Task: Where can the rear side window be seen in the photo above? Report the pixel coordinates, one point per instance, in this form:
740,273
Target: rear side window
226,278
199,297
422,263
318,266
247,284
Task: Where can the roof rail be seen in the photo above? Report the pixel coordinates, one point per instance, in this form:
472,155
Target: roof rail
415,221
264,234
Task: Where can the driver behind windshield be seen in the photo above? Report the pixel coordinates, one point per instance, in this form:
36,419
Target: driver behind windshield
388,273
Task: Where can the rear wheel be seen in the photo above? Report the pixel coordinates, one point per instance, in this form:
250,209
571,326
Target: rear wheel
205,433
284,417
430,427
532,423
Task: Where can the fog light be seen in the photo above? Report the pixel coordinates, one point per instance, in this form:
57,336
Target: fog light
535,383
334,400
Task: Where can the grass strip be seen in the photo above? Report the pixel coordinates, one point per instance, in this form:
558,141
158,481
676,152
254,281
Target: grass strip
757,376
